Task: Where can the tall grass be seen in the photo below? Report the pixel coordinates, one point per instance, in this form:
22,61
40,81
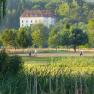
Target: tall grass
61,76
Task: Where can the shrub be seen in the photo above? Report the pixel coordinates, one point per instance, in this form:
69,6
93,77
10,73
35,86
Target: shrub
3,60
9,64
15,64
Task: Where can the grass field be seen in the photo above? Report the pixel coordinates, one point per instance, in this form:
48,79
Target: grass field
31,60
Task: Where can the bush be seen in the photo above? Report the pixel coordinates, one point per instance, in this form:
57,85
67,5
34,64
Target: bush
15,64
9,64
3,61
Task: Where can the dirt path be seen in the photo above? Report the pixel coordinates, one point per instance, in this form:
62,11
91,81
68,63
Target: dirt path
57,54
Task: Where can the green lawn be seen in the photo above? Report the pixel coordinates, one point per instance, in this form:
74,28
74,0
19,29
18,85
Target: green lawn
47,60
36,59
42,60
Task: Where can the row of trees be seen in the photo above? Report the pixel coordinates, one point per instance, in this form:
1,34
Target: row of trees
41,36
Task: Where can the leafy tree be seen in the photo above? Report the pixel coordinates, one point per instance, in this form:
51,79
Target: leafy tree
54,38
63,9
0,43
39,35
23,38
66,35
8,38
90,27
78,37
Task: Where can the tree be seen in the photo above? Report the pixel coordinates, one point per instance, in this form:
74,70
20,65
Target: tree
54,38
63,9
39,35
90,28
78,37
66,35
8,38
23,38
0,43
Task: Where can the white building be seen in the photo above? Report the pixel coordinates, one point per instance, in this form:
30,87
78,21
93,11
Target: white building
45,17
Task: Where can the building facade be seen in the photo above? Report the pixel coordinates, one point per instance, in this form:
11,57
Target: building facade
45,17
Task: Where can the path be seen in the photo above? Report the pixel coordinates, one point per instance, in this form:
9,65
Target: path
57,54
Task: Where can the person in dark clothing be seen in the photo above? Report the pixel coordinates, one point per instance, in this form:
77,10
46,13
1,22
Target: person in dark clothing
30,53
81,53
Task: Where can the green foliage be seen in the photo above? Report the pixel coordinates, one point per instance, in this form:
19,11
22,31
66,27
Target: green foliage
0,43
23,38
15,64
3,61
63,9
39,35
9,64
8,38
90,27
78,37
73,9
54,37
66,35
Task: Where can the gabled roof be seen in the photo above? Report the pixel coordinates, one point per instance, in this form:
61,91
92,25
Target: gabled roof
37,13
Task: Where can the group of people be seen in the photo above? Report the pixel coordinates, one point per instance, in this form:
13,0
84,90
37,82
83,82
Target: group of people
35,53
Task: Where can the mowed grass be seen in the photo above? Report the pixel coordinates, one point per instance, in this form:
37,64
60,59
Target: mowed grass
30,60
40,60
50,60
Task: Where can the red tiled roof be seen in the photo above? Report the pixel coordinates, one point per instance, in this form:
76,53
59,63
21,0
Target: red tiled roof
37,13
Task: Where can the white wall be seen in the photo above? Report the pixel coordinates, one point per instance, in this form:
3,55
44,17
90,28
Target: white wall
28,21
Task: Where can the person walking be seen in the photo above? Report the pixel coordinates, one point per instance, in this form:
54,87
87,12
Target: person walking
81,53
30,53
35,52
